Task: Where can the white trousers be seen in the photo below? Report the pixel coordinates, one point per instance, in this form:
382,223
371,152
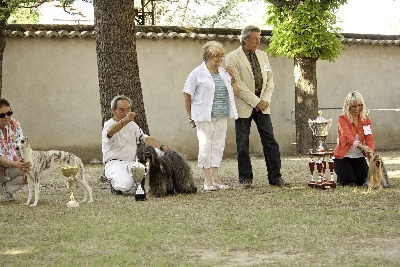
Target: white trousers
211,136
116,173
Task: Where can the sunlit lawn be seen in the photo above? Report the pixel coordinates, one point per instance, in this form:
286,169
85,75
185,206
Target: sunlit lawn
262,226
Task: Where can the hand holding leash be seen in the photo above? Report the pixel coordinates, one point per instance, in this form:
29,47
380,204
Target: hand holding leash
24,166
367,151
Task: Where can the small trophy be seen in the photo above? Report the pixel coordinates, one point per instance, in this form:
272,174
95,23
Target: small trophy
138,172
320,128
70,172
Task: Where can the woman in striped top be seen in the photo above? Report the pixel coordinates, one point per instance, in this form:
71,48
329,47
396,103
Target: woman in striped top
209,100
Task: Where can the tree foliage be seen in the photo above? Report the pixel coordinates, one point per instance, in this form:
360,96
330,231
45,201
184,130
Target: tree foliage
18,7
27,9
305,29
24,16
205,13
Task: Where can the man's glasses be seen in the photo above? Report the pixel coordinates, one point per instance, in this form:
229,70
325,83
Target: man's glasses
2,115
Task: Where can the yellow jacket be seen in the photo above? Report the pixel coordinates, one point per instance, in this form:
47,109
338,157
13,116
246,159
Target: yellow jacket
246,99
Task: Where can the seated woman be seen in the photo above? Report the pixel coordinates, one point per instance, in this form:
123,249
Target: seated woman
355,142
11,167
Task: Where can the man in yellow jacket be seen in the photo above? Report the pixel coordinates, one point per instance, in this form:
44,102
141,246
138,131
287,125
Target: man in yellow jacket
254,75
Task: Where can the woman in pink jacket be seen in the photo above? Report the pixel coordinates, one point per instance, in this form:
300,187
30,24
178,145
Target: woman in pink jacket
355,142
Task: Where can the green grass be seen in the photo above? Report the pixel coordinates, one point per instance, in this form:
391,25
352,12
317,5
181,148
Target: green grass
262,226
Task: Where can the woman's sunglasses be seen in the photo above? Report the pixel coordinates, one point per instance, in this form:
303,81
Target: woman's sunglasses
2,115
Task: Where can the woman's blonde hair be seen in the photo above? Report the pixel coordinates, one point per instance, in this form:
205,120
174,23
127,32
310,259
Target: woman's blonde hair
354,97
210,48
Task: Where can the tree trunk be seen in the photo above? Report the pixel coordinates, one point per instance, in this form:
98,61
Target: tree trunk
3,23
118,68
2,47
306,101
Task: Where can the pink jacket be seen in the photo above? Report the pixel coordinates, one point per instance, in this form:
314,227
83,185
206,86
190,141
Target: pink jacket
347,135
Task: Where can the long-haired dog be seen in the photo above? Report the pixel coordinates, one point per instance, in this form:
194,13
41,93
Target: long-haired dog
43,163
168,174
377,174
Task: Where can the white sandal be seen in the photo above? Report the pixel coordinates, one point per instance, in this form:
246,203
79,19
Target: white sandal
221,186
209,188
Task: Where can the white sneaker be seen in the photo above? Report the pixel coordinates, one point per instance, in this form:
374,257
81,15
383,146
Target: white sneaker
221,186
209,188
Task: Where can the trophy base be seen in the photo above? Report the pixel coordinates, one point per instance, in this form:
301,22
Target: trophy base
140,197
316,152
72,204
323,186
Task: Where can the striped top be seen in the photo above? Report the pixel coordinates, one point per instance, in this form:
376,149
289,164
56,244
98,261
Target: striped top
220,107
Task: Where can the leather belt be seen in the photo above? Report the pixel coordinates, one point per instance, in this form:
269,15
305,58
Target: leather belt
112,160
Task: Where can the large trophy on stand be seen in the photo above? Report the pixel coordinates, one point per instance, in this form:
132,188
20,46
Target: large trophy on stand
320,128
70,172
138,172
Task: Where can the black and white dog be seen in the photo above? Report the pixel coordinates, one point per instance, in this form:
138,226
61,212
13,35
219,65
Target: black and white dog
168,174
43,163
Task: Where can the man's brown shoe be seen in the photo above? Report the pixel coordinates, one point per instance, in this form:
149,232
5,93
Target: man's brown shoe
246,183
279,182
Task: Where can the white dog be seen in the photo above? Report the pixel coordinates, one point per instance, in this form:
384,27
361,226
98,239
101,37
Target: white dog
43,163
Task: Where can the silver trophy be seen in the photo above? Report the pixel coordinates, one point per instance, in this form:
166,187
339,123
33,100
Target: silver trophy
138,172
320,127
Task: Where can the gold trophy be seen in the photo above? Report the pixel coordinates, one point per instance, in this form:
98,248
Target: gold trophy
70,172
138,172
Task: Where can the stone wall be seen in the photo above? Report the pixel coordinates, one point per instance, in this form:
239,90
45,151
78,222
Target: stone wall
50,77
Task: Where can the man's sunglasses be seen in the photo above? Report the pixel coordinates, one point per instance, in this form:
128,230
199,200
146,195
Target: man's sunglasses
2,115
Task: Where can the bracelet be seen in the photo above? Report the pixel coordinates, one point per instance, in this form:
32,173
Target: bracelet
192,123
161,147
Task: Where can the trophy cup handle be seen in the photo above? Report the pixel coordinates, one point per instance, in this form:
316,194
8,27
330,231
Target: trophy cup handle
310,124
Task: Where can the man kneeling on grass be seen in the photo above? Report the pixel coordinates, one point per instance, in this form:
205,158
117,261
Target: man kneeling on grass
120,138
